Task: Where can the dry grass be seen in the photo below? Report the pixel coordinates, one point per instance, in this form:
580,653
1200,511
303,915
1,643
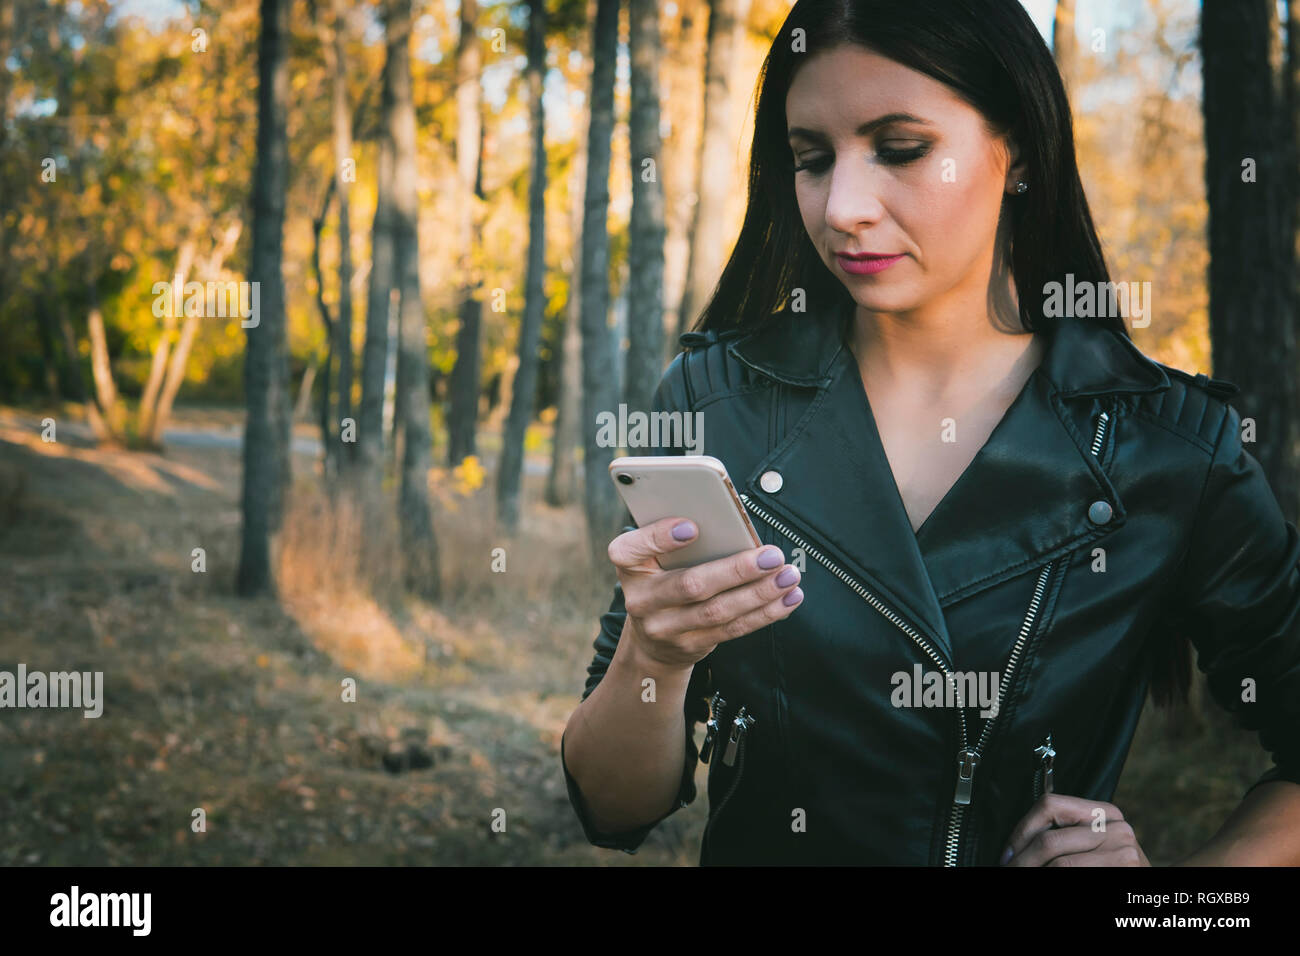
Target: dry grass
236,706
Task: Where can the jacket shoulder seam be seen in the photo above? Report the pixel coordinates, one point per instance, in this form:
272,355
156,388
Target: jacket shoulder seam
699,374
1189,436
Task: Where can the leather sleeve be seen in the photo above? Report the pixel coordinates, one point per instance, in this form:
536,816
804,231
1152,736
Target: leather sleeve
1240,601
669,396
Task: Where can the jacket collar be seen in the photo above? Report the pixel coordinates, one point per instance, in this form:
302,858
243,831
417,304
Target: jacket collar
1083,358
1024,500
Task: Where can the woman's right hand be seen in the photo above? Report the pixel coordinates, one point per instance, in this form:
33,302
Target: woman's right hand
678,617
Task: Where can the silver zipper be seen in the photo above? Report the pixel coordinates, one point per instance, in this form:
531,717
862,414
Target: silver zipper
739,727
1097,439
967,758
1043,782
713,725
735,751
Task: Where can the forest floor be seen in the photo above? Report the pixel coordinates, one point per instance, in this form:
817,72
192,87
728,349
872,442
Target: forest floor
234,707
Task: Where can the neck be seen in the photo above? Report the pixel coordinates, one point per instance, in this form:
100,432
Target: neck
947,346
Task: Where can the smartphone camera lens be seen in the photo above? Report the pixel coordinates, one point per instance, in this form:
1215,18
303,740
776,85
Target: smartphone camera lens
625,479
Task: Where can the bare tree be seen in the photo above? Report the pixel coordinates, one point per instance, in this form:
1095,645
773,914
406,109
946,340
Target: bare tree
599,391
708,239
1065,44
1250,182
462,413
560,482
266,373
336,62
419,545
374,354
510,472
645,313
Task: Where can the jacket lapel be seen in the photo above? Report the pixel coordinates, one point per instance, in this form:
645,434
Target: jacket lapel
833,468
1023,500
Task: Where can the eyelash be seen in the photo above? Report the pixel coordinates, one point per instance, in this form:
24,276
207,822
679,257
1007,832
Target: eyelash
891,157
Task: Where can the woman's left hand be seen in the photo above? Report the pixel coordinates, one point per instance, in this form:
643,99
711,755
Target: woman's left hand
1070,831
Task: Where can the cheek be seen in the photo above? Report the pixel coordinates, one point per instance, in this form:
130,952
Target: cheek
952,221
812,207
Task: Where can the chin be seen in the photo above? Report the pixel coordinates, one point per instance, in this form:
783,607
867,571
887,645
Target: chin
886,300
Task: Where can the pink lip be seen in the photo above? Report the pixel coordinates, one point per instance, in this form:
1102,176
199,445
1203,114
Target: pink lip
865,263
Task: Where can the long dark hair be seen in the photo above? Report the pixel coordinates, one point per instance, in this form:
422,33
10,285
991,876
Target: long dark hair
992,55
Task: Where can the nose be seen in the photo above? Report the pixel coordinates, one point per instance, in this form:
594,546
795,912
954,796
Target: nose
854,197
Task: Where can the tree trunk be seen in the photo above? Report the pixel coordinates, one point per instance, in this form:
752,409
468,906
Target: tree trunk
374,355
599,391
1293,111
1065,43
462,414
211,269
645,312
266,450
683,76
302,408
564,442
342,340
419,544
105,389
524,387
172,383
1252,271
149,399
709,240
329,465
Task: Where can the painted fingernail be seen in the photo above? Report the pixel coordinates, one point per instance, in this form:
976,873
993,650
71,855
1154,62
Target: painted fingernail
684,531
793,598
770,558
787,578
1006,855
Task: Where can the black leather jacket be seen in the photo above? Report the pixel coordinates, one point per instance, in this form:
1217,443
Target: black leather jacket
1112,509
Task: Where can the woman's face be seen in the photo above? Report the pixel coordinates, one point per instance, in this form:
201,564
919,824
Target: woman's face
890,161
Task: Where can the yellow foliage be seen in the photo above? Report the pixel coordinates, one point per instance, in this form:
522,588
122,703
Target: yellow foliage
469,475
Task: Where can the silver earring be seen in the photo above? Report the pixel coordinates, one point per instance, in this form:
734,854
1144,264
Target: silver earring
1022,186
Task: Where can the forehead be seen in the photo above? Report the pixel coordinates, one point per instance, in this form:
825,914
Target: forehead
838,89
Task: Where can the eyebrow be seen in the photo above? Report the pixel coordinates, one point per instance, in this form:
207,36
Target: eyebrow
866,129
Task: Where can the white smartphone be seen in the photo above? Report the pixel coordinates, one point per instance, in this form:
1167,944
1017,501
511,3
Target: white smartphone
692,486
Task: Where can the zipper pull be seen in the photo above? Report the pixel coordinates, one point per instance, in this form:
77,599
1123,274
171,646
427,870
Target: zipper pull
967,761
738,728
711,727
1047,757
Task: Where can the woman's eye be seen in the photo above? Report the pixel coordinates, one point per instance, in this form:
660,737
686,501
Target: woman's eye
819,165
889,155
899,157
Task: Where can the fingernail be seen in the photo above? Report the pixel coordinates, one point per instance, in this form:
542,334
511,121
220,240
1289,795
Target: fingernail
1006,855
787,578
793,598
770,558
684,531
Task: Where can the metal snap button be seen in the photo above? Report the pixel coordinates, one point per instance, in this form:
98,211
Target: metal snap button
1100,512
771,481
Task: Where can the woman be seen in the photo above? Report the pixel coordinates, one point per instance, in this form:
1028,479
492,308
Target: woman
1003,526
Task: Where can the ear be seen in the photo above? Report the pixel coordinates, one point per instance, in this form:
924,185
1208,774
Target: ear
1016,170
